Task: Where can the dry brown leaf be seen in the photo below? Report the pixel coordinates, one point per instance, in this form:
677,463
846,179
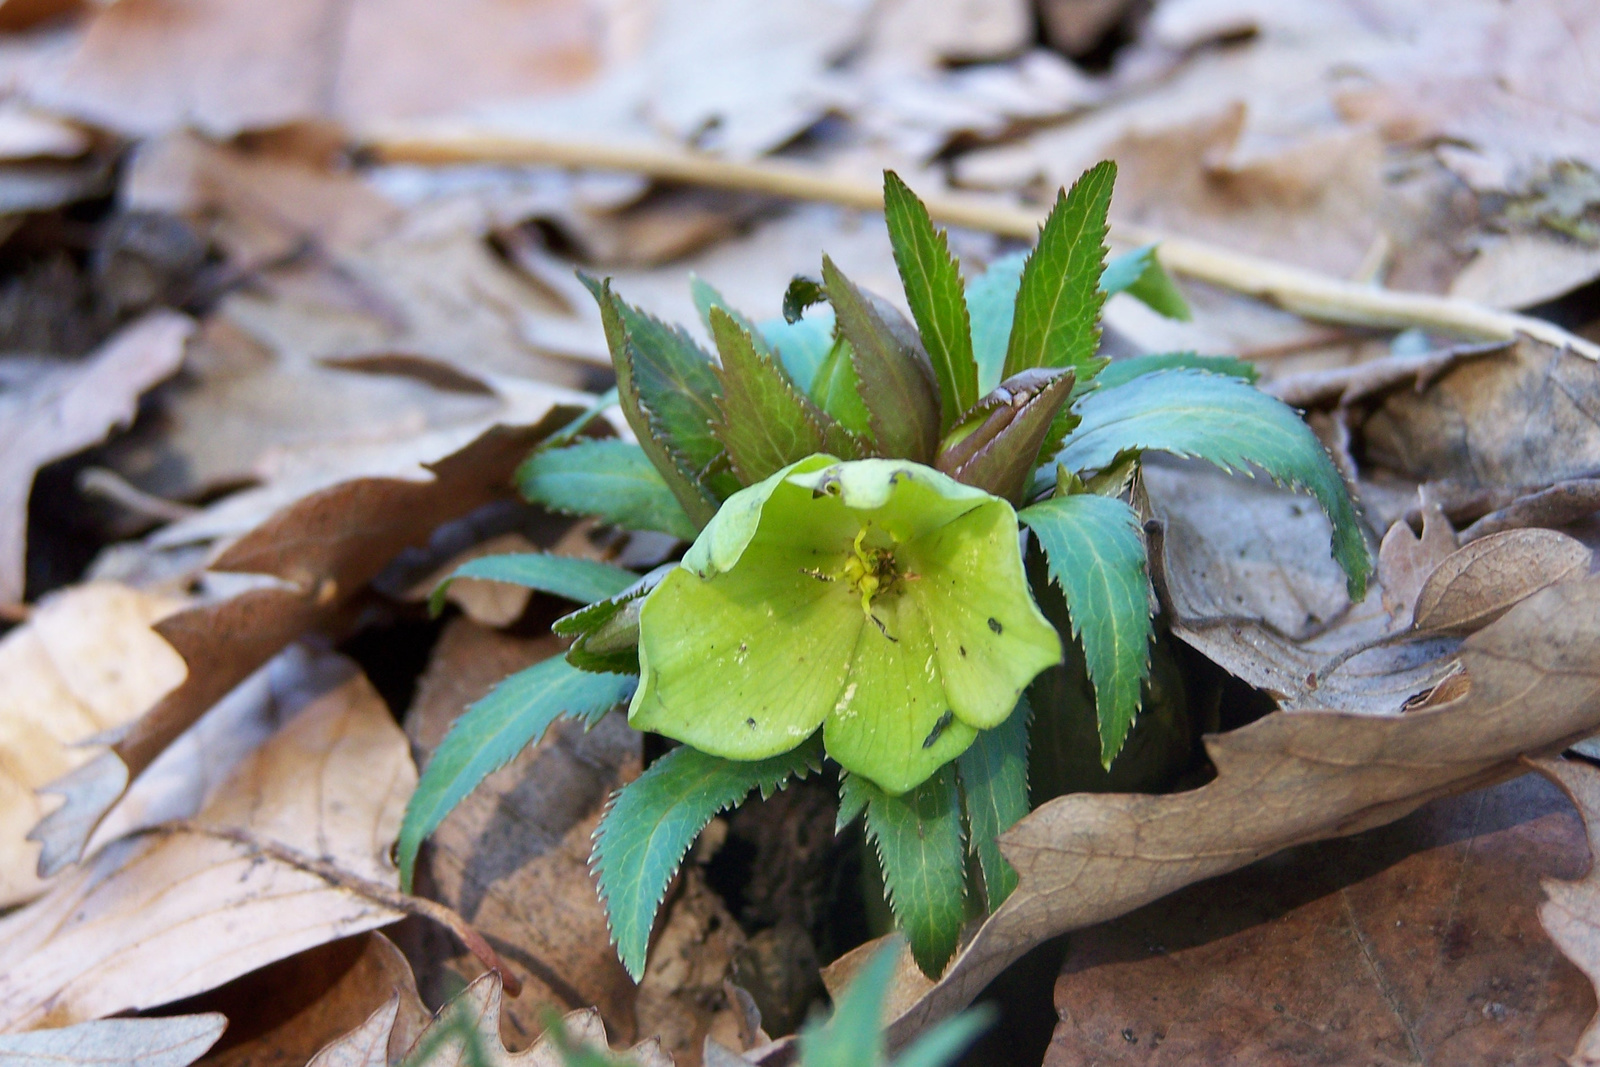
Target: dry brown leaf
1565,502
1286,779
685,996
1518,418
1416,943
86,661
150,920
477,1010
1522,270
513,857
284,1013
494,604
1571,912
171,1042
68,408
1480,582
1405,560
318,551
368,1045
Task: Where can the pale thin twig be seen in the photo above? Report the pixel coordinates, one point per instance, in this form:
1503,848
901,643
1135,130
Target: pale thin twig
1305,293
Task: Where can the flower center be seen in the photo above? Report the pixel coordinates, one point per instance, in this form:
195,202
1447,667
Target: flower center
870,572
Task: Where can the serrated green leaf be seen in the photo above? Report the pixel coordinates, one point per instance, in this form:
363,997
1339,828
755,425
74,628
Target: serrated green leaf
801,346
1057,318
945,1043
650,824
763,421
706,297
683,478
1121,371
491,732
615,481
583,580
920,848
1140,274
994,788
1013,424
1226,422
836,391
991,305
1096,554
612,625
932,280
893,376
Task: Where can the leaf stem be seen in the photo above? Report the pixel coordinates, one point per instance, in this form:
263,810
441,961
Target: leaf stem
1305,293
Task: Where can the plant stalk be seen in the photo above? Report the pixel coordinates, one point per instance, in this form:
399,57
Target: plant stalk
1303,292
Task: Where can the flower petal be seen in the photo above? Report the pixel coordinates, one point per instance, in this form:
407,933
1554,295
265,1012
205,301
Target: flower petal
892,723
723,541
989,636
747,664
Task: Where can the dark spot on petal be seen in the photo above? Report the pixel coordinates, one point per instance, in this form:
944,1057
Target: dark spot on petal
963,649
938,728
750,723
994,624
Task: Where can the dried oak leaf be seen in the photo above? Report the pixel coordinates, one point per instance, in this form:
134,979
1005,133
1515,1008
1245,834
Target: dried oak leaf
1405,560
1415,943
85,662
513,857
175,1041
316,551
153,919
1481,581
65,408
1571,912
1286,779
284,1013
466,1033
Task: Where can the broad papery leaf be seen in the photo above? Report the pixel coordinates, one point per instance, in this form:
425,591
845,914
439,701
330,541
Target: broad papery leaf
514,714
895,380
1097,556
615,481
172,1041
763,421
919,843
1057,318
583,580
1140,274
991,305
932,279
994,794
654,819
1226,422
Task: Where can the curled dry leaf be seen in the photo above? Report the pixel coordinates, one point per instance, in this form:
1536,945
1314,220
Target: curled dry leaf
1571,912
1415,943
513,857
65,409
466,1033
284,1013
85,662
153,919
317,552
1405,560
175,1041
1480,582
1286,779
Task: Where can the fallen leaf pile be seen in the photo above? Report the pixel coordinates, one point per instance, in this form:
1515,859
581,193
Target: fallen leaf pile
285,300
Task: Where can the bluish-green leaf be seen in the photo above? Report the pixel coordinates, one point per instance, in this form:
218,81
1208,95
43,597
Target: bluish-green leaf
994,787
492,731
991,304
1057,318
611,480
1097,557
1226,422
1140,274
802,345
569,433
706,297
932,280
1121,371
922,854
645,833
583,580
763,421
684,479
945,1043
893,376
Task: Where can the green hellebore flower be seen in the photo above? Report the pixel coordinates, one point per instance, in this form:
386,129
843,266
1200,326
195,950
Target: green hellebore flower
878,599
